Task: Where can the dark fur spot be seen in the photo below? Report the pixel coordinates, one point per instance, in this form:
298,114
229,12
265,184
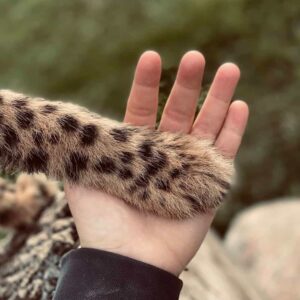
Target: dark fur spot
175,173
145,150
120,134
163,185
9,159
68,123
25,118
64,212
185,166
224,184
36,161
152,168
132,189
54,138
223,195
156,163
105,165
125,173
182,155
38,138
48,109
145,196
19,103
126,157
1,118
74,235
77,163
195,203
88,135
57,248
10,136
1,100
142,180
162,159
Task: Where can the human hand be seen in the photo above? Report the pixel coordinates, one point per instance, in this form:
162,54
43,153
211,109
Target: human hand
107,223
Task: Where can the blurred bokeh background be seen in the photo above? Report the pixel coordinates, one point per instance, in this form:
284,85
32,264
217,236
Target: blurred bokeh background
86,50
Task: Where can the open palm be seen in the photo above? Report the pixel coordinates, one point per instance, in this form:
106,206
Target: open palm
107,223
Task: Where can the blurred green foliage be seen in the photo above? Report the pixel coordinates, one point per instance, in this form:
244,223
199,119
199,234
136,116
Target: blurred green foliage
86,50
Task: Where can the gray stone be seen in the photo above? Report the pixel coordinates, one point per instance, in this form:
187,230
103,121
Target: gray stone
265,240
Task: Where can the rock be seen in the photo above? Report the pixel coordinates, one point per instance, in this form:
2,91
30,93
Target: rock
213,275
266,241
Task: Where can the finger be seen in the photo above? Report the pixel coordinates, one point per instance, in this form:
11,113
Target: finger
143,99
214,110
230,137
179,111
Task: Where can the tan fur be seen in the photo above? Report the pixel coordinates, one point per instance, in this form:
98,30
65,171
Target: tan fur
171,175
22,201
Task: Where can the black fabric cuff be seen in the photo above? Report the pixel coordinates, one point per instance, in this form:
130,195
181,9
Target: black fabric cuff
95,274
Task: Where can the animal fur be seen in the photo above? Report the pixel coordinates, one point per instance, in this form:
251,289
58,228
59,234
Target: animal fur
171,175
21,202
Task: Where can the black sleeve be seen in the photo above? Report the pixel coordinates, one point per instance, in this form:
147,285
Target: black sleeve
95,274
